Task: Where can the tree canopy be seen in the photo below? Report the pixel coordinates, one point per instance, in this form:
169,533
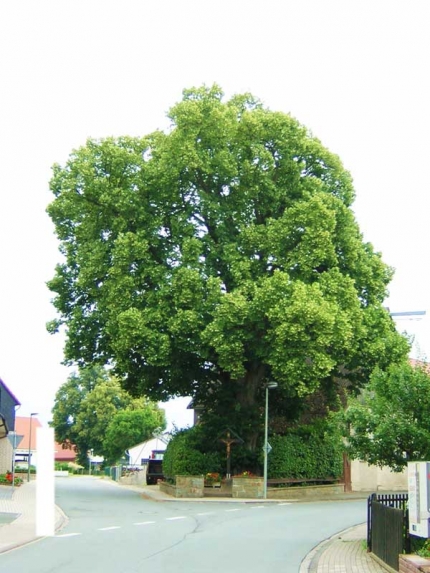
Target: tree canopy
389,424
93,412
128,428
214,257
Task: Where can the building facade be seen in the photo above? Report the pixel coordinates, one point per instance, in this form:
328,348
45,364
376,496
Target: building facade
8,404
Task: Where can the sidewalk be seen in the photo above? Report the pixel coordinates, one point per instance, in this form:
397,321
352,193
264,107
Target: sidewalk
22,529
345,552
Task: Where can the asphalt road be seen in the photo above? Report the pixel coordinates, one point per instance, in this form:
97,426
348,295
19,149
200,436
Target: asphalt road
115,530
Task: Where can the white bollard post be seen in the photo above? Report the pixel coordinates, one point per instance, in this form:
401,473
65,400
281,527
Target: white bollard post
45,486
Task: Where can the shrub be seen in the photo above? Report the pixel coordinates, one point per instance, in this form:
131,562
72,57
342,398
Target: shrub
308,452
6,479
24,469
62,466
183,456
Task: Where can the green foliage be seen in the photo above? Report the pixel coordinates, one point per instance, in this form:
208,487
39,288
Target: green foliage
97,410
212,258
6,479
131,427
24,469
420,546
184,457
308,452
62,466
85,415
388,424
68,404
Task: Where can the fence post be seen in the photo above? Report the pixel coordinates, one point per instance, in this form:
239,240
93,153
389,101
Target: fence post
369,521
406,536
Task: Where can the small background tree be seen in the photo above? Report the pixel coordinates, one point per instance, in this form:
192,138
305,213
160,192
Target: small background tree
131,427
388,424
93,412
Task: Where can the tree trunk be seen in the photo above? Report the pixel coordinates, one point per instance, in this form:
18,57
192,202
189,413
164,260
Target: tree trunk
247,393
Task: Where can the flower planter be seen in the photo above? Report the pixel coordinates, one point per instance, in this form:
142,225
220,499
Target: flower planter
212,484
212,479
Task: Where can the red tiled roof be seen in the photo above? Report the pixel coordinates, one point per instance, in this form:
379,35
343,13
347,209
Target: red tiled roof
425,365
64,454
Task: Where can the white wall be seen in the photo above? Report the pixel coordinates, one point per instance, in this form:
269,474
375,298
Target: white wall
372,478
144,450
417,326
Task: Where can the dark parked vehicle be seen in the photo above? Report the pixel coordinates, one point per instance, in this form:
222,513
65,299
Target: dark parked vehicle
154,471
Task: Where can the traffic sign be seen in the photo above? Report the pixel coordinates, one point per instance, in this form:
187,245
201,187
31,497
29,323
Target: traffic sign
14,439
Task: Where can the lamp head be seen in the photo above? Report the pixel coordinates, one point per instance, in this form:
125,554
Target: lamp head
271,385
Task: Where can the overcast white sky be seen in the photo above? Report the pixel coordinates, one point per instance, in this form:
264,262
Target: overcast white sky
355,72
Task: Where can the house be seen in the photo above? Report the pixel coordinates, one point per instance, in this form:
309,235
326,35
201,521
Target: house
139,455
26,427
8,403
198,410
417,325
63,454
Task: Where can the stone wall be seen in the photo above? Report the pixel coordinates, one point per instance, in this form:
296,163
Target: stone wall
309,491
413,564
247,487
168,488
186,486
134,478
6,453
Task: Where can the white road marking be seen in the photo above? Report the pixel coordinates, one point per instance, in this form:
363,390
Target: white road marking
64,535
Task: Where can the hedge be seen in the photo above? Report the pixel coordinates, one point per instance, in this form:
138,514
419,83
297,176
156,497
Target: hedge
313,456
307,452
183,456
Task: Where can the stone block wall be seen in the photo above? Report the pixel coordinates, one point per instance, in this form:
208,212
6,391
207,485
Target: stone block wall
134,478
186,486
413,564
301,492
6,453
248,487
168,488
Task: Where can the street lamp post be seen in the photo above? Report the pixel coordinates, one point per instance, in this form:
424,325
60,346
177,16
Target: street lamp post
266,447
90,455
29,446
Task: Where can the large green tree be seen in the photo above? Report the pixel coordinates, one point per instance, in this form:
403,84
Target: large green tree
210,259
389,423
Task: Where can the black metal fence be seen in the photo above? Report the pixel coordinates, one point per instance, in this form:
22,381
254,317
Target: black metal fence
388,527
